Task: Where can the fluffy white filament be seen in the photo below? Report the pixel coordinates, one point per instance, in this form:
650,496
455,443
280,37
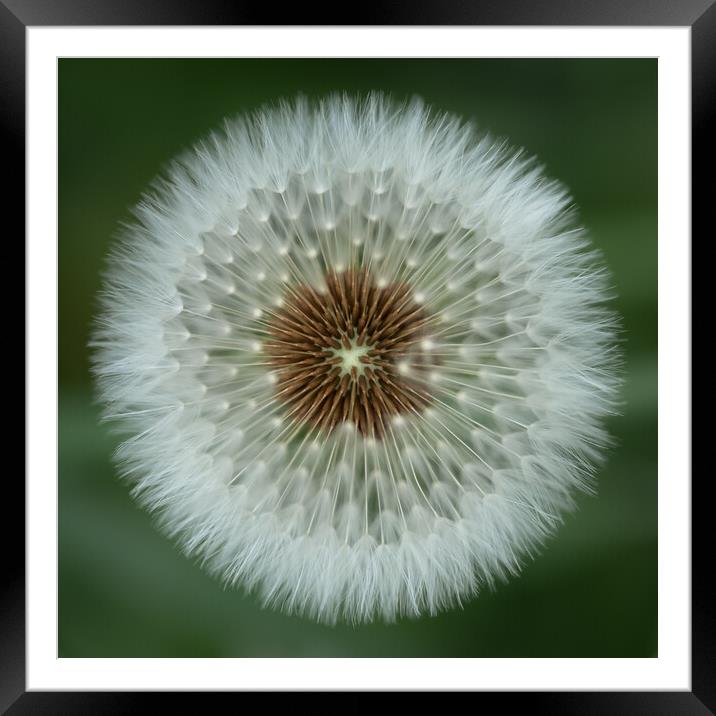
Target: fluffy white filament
341,526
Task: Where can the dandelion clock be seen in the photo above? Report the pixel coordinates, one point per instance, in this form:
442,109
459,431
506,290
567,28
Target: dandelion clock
361,354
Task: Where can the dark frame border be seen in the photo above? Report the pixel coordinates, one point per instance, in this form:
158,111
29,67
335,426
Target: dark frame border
700,15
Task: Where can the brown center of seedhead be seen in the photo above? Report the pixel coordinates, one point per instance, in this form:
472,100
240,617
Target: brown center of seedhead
355,351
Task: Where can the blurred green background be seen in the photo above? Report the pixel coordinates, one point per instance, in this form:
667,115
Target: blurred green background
124,590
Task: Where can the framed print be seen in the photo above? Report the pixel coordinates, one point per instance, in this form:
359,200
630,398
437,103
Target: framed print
359,357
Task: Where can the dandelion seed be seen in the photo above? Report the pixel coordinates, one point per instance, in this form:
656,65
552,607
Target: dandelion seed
362,355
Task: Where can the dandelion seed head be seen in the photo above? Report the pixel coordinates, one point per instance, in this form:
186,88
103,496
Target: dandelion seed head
362,355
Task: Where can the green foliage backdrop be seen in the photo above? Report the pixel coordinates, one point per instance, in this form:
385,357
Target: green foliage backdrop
124,590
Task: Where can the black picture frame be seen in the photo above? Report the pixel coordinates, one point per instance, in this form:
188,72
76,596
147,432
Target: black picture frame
699,15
